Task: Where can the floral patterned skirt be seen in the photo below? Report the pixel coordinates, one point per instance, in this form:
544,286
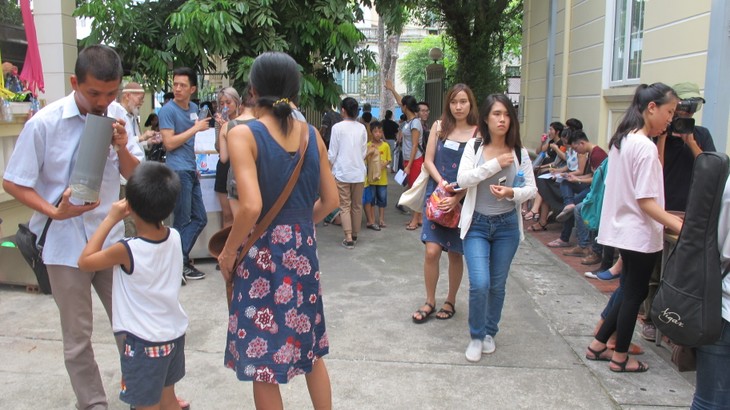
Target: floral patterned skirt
276,327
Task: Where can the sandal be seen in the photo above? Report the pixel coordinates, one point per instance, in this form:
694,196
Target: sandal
444,314
424,315
642,367
597,354
537,227
529,215
410,227
558,243
382,224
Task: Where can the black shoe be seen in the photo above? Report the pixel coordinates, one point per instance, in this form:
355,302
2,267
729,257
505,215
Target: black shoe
401,209
190,273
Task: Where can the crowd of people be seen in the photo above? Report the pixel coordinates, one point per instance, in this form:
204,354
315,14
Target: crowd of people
478,190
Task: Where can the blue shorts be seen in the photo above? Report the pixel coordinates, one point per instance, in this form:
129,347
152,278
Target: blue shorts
379,195
148,367
367,195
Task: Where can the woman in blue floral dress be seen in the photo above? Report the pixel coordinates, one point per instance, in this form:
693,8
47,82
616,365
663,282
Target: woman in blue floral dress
276,326
457,125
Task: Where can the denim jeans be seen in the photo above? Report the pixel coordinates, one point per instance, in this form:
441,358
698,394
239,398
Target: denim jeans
713,379
190,216
586,237
616,298
489,246
569,190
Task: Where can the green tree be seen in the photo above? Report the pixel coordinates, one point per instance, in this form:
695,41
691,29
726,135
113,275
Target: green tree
484,33
154,36
413,65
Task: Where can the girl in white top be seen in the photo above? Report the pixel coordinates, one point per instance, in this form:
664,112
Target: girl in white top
347,151
633,215
490,226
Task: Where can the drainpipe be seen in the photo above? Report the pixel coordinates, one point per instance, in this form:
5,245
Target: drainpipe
549,80
566,59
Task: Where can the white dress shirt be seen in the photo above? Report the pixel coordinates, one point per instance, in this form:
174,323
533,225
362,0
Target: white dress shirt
43,159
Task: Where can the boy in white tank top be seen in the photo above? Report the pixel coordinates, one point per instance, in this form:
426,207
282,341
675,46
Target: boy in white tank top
146,287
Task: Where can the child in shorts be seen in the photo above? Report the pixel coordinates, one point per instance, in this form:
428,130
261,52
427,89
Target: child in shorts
145,293
376,191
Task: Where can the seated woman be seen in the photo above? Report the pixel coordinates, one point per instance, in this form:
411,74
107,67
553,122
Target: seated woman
554,154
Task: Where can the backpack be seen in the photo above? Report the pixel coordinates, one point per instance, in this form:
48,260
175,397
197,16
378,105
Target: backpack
329,119
593,202
688,304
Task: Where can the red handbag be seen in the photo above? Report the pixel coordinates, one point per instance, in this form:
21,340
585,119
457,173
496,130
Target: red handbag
434,214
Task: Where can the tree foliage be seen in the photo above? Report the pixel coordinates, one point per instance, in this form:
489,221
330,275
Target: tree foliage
154,36
413,65
483,32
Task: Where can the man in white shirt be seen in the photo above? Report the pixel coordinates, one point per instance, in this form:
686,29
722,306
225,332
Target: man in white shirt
132,99
38,175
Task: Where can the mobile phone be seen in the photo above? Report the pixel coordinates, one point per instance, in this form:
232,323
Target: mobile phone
203,113
457,188
502,181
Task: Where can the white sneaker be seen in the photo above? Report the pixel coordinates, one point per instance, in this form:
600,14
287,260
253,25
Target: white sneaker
488,345
474,350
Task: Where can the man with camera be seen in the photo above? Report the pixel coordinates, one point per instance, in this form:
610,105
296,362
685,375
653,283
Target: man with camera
678,148
681,144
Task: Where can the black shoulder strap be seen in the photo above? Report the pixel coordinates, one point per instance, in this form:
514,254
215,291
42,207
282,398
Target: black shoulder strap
42,239
726,271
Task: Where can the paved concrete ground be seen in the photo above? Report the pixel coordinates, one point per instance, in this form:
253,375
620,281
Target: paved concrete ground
378,359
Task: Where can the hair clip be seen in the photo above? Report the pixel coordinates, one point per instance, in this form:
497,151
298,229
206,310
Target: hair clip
281,100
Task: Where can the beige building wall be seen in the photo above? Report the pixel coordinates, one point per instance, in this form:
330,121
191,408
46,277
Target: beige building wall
674,50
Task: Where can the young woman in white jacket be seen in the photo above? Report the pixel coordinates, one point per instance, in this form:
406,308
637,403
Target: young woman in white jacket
490,224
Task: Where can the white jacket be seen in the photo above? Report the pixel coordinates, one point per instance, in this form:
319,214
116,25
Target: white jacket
470,176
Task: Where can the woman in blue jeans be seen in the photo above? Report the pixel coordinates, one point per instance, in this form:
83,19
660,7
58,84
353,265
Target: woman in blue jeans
490,224
713,361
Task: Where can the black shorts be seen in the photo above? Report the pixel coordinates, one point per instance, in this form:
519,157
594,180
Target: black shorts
221,177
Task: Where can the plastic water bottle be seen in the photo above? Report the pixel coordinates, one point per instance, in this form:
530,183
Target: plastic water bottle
224,114
519,181
7,111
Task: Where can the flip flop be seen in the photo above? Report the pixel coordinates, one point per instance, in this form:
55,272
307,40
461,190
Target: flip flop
410,227
558,244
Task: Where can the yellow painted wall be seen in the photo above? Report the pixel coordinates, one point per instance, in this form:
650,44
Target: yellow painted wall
674,50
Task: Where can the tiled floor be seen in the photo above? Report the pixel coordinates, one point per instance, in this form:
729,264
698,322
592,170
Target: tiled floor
552,233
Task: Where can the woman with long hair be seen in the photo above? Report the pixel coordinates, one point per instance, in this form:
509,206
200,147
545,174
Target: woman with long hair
279,276
228,104
457,125
246,114
491,224
412,141
633,216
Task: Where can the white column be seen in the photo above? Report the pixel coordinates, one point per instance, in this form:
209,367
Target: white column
56,30
715,111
